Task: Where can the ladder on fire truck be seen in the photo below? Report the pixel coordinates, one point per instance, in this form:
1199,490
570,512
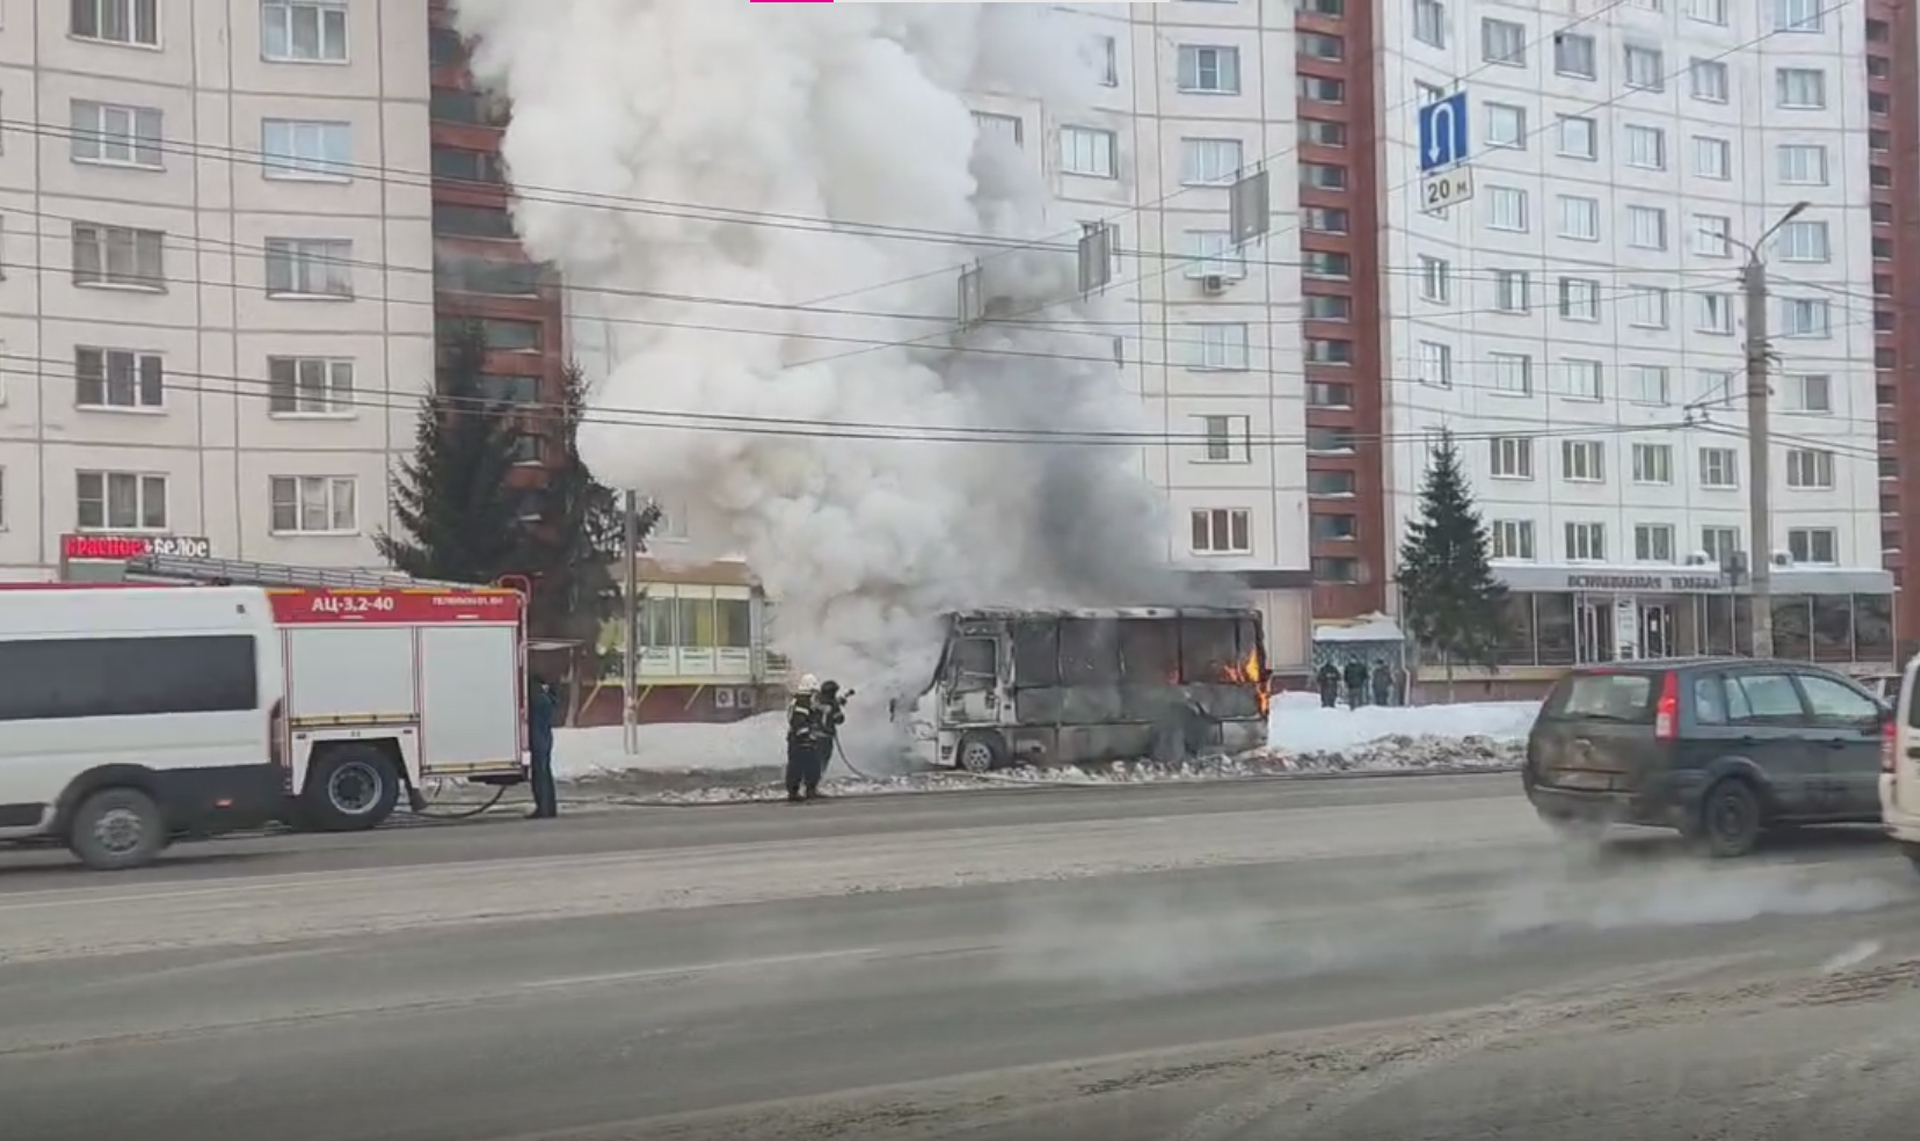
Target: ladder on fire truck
239,572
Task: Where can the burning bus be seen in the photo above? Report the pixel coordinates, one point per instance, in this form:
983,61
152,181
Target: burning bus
1062,687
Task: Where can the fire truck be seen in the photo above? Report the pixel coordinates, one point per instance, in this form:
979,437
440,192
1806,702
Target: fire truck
394,684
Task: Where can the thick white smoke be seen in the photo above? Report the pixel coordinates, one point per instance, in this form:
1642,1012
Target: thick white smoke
629,116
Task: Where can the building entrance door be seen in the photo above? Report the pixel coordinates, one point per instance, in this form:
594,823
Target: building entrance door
1656,630
1592,631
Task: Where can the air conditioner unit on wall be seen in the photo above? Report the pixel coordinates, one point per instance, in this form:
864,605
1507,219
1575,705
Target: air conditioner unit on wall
1213,284
747,698
723,698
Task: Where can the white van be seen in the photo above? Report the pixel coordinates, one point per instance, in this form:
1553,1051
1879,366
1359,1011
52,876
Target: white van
134,716
1900,767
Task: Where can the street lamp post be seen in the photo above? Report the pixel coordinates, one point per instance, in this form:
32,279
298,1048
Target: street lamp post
1753,284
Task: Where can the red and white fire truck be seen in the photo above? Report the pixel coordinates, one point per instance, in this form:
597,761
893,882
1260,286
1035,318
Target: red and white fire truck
393,684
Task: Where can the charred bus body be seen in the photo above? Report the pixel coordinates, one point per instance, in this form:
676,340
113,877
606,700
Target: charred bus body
1066,687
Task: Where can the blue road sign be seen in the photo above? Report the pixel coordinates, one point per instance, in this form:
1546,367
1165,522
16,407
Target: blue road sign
1443,132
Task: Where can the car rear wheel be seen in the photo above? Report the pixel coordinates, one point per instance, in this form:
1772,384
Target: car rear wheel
1731,819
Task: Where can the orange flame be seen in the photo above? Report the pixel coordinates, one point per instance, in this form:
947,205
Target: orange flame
1249,672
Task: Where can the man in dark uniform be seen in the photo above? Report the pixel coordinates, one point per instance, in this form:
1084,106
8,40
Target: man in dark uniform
542,708
803,740
1356,679
830,712
1328,679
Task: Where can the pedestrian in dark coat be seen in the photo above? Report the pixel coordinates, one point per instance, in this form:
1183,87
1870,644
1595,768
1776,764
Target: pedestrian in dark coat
1328,679
543,707
1356,679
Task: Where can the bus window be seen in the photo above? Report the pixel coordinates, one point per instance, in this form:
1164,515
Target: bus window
1209,649
1036,652
1089,651
1250,646
1149,651
976,664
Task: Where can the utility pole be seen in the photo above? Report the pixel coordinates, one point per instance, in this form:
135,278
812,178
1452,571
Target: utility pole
1753,283
630,660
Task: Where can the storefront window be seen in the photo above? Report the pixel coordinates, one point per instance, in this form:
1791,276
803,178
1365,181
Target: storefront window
1553,622
1832,628
1717,612
1873,627
1793,628
1516,645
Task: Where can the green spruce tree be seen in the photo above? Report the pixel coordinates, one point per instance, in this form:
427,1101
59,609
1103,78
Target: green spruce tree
459,520
1449,599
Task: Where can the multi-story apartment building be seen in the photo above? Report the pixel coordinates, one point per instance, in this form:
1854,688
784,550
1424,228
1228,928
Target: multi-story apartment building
215,304
1578,325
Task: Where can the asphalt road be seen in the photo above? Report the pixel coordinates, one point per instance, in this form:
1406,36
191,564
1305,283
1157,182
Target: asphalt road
1363,960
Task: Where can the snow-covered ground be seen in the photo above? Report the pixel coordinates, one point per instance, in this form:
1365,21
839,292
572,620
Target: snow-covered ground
740,761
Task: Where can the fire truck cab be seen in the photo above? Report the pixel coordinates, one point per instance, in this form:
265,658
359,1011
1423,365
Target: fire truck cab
392,683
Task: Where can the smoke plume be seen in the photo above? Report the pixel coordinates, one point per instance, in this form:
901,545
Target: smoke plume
674,155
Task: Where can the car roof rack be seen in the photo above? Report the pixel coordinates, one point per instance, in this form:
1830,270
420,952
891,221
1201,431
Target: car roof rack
239,572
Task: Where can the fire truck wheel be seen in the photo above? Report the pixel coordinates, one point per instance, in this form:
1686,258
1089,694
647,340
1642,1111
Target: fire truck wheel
117,828
350,790
980,752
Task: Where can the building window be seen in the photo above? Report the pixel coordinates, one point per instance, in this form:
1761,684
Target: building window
1506,126
1513,539
1799,15
1647,307
1332,483
1323,176
114,135
1221,531
1586,542
1323,132
131,22
118,256
1436,364
1810,317
1709,80
1228,439
1579,218
1583,461
1329,394
1425,93
1321,350
1815,545
1436,279
1510,457
303,31
309,267
1811,392
306,149
1326,307
309,386
1708,11
444,47
1010,129
1329,441
1800,88
1504,42
120,501
1573,55
1715,314
1430,22
1719,468
118,378
1512,373
1803,165
1210,70
1579,299
1325,220
1649,384
1712,235
1320,89
1210,162
1511,291
1653,463
477,108
487,222
1647,227
1646,68
1213,254
1331,569
463,164
1646,148
1217,347
1507,208
1810,469
1340,528
1579,137
1089,152
313,505
1326,265
1107,50
1712,158
1583,379
1653,542
1802,240
1719,544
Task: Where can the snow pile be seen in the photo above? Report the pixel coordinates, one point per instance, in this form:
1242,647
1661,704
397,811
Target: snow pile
756,742
1297,723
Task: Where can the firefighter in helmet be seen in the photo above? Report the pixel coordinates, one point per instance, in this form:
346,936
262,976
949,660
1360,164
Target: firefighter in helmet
803,739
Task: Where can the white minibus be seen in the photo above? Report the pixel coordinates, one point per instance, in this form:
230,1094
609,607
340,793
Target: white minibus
131,717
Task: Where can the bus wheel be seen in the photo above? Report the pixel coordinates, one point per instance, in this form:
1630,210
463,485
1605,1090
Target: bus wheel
350,790
117,828
980,752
